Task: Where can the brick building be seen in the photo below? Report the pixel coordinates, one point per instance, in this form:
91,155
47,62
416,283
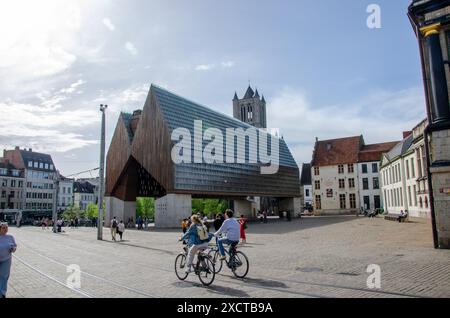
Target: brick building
345,175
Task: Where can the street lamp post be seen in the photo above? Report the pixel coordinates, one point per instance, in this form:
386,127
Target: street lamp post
101,182
55,202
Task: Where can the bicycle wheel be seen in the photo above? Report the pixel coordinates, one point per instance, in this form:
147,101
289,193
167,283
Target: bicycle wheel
206,272
215,258
180,266
239,264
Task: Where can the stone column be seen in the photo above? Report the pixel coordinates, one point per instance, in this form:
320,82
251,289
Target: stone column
243,207
440,153
172,209
122,210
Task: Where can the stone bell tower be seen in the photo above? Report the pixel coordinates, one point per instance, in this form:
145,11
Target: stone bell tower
251,109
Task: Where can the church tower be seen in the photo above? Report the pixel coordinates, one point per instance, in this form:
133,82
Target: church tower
251,109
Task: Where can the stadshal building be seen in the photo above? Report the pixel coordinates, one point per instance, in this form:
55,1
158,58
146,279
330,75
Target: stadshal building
431,22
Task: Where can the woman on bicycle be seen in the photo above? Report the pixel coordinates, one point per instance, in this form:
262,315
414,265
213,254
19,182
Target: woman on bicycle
198,239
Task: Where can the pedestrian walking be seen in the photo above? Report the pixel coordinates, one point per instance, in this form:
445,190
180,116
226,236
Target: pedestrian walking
114,225
7,247
121,229
243,227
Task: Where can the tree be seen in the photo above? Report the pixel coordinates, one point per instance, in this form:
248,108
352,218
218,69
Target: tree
71,213
145,207
209,207
92,211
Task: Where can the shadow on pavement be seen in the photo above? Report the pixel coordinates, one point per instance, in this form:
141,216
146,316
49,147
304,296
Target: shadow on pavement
214,289
143,247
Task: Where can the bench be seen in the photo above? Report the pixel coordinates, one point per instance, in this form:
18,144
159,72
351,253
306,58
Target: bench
396,217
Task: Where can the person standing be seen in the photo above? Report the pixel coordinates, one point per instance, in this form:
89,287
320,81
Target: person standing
7,247
121,229
184,226
114,225
243,224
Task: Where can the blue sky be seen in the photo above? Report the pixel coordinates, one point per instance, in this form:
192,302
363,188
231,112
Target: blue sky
323,72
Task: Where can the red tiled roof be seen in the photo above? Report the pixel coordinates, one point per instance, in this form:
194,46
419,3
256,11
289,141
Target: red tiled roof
375,151
337,151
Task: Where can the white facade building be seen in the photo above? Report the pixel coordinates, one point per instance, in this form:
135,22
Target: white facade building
404,181
369,185
65,193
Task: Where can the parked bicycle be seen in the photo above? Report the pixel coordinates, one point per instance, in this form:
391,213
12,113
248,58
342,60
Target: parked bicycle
235,260
204,268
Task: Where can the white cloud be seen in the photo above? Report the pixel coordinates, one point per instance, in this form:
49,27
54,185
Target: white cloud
131,48
107,22
46,130
380,117
228,64
39,40
210,67
205,67
127,99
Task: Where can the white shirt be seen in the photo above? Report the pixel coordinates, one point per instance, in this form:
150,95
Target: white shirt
231,228
121,227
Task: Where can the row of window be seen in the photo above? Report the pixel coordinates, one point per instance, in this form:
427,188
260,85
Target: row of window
351,169
86,197
12,194
394,174
40,165
63,190
394,198
12,183
39,195
342,201
39,206
14,173
40,175
351,183
11,205
37,185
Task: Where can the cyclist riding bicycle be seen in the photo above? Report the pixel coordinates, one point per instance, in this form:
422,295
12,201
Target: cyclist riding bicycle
230,231
198,239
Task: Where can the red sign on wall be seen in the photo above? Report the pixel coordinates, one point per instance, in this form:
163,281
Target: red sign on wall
329,193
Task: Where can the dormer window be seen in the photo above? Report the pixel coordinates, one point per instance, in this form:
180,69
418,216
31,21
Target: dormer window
36,164
30,164
328,147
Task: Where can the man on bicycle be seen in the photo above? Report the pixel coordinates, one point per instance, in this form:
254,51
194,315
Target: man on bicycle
231,230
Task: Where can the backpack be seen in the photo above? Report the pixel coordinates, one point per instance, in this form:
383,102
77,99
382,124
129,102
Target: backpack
114,224
202,233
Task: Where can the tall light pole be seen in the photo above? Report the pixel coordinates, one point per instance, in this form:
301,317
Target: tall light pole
55,201
102,173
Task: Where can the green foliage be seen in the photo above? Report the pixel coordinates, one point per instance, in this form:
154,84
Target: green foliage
209,206
72,212
145,207
92,211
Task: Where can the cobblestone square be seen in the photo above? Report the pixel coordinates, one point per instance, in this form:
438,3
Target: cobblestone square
308,257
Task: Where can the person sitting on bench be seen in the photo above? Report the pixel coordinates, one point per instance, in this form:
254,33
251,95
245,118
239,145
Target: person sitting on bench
402,216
